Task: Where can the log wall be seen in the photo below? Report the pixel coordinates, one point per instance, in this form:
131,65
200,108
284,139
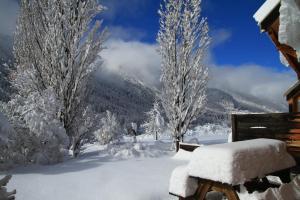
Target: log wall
281,126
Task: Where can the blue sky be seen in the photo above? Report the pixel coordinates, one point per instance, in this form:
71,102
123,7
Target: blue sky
232,26
241,59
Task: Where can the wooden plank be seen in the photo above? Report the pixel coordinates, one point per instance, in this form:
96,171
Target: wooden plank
287,139
188,147
208,185
270,124
294,64
234,121
259,118
281,126
205,188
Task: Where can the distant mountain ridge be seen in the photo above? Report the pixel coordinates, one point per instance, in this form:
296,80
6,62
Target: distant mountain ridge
130,98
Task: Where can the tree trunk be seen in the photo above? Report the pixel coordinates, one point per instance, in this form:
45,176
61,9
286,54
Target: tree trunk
76,147
156,135
177,144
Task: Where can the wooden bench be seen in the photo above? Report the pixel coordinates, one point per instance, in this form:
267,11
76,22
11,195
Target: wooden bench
229,190
206,186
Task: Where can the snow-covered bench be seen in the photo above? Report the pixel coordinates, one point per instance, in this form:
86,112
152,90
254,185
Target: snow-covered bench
223,166
188,146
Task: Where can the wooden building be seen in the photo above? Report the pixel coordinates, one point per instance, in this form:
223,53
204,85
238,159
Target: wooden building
268,20
282,126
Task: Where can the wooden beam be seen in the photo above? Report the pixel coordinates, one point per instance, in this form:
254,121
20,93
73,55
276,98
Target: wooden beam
287,51
234,127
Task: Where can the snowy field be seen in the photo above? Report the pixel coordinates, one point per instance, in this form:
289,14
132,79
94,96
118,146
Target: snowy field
128,171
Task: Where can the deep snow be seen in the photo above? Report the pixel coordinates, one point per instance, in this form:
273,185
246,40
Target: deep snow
125,171
97,175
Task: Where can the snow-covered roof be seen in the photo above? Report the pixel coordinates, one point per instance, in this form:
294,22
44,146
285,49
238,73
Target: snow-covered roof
265,10
292,90
281,19
289,28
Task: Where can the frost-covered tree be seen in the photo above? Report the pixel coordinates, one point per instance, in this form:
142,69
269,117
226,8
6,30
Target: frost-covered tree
155,122
110,129
57,43
38,134
183,42
134,129
89,123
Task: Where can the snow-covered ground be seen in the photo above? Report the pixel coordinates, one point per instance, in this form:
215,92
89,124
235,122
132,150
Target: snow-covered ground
95,176
127,171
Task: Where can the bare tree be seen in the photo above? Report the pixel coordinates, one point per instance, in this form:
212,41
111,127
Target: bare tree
183,41
57,42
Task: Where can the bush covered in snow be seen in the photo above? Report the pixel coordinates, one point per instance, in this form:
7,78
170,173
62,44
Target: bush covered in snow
110,129
154,124
38,134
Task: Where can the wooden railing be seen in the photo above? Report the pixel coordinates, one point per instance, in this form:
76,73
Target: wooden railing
281,126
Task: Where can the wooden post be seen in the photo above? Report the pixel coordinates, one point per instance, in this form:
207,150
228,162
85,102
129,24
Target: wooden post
234,127
177,144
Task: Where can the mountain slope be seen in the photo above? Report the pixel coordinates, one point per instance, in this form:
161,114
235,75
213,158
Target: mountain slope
220,104
127,98
130,99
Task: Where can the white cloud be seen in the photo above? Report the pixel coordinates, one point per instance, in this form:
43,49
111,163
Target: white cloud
255,80
135,58
142,61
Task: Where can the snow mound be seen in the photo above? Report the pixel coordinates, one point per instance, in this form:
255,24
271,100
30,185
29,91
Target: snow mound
290,191
181,184
127,153
136,150
183,155
229,163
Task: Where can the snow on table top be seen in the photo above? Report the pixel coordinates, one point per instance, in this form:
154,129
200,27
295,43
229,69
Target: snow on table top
265,10
236,162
